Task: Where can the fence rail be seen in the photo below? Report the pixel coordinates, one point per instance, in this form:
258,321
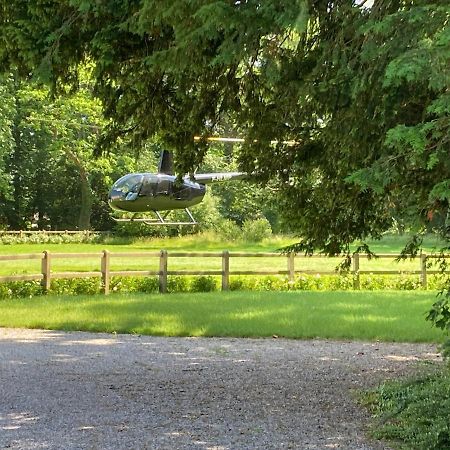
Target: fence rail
46,274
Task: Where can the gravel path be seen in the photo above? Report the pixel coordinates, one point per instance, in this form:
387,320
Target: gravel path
97,391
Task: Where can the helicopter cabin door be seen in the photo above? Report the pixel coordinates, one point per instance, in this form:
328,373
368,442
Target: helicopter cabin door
164,186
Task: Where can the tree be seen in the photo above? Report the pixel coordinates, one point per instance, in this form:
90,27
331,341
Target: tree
363,92
47,174
240,200
6,142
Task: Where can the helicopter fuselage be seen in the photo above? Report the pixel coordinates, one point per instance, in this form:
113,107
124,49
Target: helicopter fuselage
141,192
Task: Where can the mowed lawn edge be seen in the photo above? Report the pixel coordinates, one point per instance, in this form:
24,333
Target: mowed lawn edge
394,316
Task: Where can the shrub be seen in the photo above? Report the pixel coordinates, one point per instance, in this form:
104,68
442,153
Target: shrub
256,230
373,282
20,289
302,282
177,283
236,284
5,291
407,283
46,238
76,286
204,284
414,413
148,285
271,283
123,284
228,230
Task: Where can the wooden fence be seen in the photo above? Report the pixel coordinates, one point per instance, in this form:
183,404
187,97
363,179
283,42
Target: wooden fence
105,272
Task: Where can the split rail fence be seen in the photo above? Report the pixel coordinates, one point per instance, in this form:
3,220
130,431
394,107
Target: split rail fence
47,275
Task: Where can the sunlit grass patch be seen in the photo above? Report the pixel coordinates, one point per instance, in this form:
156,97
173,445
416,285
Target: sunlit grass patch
387,316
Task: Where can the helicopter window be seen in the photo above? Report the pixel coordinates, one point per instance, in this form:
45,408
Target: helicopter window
149,186
164,186
129,184
183,193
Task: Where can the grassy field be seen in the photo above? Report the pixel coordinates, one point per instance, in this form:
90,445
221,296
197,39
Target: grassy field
386,316
390,316
203,243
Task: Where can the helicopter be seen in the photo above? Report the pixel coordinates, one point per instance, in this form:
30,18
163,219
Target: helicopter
161,193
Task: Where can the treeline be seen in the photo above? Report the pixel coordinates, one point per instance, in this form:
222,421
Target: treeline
52,179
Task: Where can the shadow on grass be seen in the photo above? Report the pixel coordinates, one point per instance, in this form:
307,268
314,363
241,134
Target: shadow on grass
387,316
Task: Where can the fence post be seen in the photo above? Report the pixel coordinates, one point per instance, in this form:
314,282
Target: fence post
105,271
291,266
45,270
163,257
225,270
423,270
356,280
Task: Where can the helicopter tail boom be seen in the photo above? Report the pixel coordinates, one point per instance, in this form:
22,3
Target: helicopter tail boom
207,178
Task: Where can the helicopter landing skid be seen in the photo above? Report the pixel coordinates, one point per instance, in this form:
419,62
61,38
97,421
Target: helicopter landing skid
161,219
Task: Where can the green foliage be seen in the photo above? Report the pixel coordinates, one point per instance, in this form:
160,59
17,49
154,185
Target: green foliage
148,285
240,200
252,231
53,180
439,315
50,238
20,289
363,92
228,230
414,414
256,230
179,283
138,229
76,286
307,282
204,284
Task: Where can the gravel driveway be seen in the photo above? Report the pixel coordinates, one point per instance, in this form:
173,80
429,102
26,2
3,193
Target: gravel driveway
98,391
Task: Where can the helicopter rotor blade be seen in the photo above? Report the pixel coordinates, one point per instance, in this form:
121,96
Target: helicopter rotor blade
241,140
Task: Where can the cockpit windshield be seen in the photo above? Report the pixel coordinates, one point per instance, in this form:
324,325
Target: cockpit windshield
129,183
127,187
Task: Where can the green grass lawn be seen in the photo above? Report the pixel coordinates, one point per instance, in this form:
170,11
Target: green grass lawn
387,316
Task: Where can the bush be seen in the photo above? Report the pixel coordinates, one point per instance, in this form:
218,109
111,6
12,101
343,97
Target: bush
123,284
76,286
228,230
302,282
20,289
178,283
373,282
148,285
271,283
414,413
46,238
204,284
256,230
